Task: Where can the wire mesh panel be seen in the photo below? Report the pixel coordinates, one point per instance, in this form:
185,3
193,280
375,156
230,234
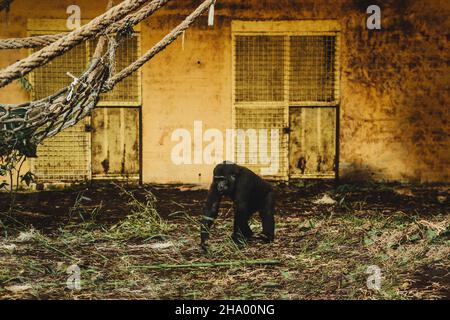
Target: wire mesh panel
259,72
312,68
260,143
126,92
66,156
275,71
52,77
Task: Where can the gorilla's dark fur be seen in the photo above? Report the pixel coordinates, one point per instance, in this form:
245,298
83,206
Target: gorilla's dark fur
250,194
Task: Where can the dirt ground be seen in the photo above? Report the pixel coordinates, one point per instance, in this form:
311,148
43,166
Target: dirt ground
141,242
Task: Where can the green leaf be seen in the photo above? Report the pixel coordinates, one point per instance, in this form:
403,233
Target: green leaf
431,234
26,85
286,274
271,285
415,237
368,241
28,178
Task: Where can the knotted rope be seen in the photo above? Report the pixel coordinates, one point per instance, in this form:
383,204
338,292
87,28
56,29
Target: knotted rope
57,48
24,126
40,41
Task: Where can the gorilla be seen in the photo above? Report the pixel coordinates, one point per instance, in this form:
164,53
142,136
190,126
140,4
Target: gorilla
249,193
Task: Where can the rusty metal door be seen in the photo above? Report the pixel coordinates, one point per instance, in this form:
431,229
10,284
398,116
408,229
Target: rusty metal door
312,142
116,122
115,143
314,96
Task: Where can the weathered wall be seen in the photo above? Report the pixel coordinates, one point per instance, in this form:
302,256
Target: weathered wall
394,111
395,82
180,87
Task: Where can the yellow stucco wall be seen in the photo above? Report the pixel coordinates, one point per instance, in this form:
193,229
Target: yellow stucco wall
394,82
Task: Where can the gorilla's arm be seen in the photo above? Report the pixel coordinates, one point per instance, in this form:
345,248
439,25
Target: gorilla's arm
210,212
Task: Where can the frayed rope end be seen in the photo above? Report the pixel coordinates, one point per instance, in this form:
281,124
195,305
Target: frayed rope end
211,15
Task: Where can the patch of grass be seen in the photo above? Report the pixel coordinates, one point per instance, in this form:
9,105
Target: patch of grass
143,222
325,256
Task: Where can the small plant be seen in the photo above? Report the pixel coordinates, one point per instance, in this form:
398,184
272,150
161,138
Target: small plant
85,213
307,226
144,221
346,188
344,204
28,178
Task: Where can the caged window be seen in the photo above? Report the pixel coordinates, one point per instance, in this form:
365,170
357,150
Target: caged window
259,68
67,156
312,68
64,157
260,73
127,92
275,73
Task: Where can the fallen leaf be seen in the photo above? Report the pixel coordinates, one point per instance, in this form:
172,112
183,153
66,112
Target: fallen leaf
18,288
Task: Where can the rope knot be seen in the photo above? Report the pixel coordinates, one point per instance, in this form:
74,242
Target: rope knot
73,85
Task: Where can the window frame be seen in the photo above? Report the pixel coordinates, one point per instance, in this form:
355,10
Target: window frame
286,29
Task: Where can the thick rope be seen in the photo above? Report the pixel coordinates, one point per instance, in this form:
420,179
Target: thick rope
43,56
29,42
24,126
41,41
161,45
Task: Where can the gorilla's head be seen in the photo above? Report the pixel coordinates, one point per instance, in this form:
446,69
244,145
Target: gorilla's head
225,175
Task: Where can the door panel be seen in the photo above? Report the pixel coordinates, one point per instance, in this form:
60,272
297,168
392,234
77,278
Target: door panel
312,143
115,143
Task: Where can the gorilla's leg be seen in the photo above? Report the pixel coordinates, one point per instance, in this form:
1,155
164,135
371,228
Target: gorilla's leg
267,213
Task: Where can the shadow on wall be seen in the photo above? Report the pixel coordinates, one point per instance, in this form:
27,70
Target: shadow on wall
362,173
397,80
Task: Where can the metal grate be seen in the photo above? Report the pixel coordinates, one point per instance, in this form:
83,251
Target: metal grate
126,92
259,72
65,157
312,68
253,155
52,77
280,66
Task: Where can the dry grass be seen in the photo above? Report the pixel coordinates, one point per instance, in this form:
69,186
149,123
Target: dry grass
324,256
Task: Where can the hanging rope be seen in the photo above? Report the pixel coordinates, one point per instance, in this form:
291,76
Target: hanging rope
24,126
57,48
161,45
40,41
29,42
211,15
